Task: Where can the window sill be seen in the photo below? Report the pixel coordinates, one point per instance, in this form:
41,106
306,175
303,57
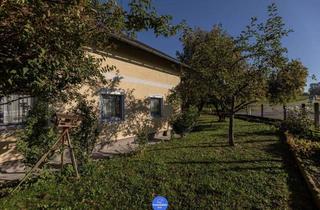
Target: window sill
112,120
156,117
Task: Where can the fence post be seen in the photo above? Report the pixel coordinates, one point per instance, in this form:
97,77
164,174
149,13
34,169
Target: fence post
284,112
261,110
316,116
303,108
249,110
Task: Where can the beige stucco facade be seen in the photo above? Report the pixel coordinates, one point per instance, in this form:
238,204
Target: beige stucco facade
141,75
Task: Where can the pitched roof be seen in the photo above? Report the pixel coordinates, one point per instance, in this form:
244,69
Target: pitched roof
147,48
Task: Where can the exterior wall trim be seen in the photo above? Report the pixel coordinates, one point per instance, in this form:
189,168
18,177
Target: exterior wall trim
136,80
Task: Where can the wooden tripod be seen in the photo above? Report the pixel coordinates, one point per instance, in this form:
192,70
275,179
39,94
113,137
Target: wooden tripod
65,125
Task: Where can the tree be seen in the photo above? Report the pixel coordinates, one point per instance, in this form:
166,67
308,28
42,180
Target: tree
190,91
287,83
314,89
238,71
42,42
42,54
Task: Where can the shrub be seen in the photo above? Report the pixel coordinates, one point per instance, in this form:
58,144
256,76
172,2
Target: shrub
305,147
142,137
38,135
185,121
297,122
85,136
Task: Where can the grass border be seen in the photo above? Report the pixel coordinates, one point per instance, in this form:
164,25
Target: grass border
313,136
315,191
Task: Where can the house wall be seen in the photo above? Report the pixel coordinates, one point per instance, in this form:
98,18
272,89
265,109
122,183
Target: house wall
141,76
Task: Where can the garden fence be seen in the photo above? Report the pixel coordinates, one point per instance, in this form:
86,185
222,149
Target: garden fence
280,112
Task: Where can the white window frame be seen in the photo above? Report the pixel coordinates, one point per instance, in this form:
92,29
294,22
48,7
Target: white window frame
161,106
105,92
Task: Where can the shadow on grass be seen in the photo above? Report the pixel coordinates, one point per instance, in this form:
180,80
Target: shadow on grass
190,146
207,127
300,198
259,133
239,136
268,169
224,162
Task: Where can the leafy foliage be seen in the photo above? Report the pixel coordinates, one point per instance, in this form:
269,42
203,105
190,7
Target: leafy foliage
297,123
314,90
42,47
42,42
185,121
287,83
306,148
233,72
85,136
38,135
42,55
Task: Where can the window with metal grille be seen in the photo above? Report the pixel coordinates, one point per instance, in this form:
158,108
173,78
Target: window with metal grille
112,107
156,106
14,108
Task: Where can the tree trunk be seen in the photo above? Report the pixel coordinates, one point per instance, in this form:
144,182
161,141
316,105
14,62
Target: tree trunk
231,123
200,106
231,133
222,117
220,113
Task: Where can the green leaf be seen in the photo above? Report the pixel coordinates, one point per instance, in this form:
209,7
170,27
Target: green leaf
25,70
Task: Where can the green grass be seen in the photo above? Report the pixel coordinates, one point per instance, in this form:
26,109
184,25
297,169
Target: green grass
199,171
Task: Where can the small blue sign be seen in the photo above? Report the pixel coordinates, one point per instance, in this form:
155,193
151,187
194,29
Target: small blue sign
160,203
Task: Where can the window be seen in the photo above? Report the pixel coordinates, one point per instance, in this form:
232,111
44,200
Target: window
15,109
155,107
1,111
112,107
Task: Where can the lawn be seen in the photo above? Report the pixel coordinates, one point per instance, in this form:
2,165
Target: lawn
199,171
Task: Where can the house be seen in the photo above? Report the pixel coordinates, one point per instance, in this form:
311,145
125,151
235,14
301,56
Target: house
133,101
141,84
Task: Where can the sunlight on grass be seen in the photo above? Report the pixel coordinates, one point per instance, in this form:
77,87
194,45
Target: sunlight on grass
199,171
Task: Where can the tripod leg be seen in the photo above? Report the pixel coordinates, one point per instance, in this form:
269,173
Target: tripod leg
40,161
73,159
62,151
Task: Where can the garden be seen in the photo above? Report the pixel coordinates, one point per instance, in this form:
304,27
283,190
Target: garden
199,170
214,161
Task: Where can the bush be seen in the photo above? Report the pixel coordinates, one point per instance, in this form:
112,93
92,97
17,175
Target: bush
185,121
85,136
142,137
38,135
305,147
297,123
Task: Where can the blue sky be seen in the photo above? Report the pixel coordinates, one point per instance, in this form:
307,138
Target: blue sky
300,15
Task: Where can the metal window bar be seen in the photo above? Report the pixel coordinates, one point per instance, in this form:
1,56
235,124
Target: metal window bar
16,111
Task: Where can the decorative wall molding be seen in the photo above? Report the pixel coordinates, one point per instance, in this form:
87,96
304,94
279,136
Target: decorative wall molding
136,80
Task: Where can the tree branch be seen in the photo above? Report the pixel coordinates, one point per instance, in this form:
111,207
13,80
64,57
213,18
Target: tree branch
241,106
8,102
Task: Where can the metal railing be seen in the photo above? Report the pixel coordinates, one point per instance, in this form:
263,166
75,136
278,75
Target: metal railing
280,112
